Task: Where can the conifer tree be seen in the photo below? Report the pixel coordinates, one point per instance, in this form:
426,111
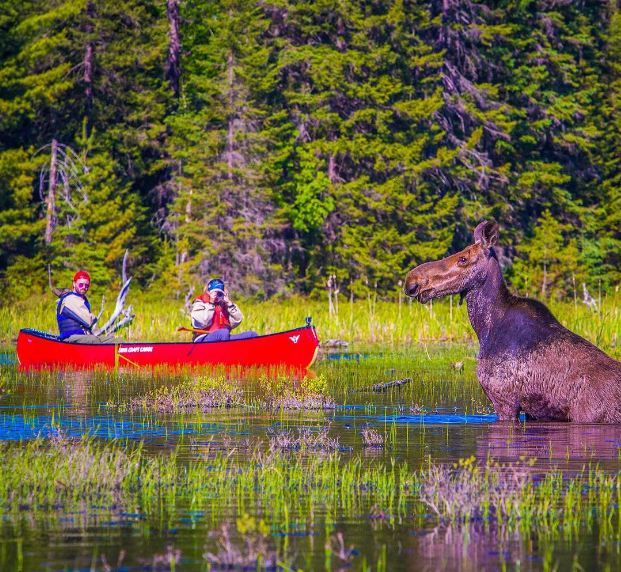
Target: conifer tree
608,226
220,216
357,102
76,68
550,263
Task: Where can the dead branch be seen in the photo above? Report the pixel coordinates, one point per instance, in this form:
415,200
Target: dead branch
119,308
187,302
57,291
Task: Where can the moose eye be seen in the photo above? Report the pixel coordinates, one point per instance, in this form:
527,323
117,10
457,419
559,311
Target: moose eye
462,260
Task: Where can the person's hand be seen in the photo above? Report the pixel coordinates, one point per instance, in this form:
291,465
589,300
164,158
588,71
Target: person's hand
226,298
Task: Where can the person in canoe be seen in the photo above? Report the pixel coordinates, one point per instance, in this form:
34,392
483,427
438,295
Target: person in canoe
73,313
215,313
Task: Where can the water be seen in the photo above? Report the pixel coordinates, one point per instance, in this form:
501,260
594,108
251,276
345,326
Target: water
439,417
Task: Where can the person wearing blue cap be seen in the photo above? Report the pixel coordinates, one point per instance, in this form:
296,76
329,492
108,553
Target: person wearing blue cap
214,312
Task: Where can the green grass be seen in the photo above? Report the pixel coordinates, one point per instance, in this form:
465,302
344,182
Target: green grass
68,475
366,323
435,383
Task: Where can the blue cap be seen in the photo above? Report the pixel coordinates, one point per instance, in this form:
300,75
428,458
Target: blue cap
215,284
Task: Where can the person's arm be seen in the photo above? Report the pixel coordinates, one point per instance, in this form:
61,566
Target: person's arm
235,315
74,307
202,314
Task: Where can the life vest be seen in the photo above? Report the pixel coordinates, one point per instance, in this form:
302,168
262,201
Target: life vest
68,323
220,316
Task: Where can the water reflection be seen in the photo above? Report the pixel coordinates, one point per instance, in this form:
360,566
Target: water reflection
472,547
77,402
562,445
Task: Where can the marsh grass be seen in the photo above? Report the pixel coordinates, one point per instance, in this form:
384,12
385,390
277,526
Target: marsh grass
261,392
200,394
512,495
66,474
150,392
385,323
303,439
254,551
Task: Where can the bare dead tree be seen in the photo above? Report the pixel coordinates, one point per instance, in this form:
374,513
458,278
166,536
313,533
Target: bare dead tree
587,298
50,217
57,291
89,62
67,167
187,302
173,60
333,295
230,136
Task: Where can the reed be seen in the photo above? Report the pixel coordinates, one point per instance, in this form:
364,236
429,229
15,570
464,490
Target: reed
273,493
65,474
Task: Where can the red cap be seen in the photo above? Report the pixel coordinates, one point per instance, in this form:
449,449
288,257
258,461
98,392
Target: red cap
81,274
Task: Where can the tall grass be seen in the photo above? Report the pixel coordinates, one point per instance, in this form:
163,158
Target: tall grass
367,322
67,475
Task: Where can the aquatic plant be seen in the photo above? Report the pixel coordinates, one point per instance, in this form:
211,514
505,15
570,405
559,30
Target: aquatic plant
205,392
257,551
335,546
417,409
272,482
372,437
468,491
303,439
176,398
166,560
512,495
299,400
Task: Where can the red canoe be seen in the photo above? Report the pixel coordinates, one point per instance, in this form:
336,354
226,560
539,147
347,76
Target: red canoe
294,348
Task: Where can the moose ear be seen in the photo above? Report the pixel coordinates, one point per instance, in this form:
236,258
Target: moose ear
486,233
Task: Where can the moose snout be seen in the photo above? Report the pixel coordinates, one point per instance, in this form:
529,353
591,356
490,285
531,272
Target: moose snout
414,283
411,289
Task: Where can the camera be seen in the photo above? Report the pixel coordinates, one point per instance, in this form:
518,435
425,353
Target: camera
219,296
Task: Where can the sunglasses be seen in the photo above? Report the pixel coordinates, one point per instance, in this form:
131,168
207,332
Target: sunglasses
82,284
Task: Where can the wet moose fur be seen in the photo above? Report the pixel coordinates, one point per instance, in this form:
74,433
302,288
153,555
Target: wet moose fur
527,361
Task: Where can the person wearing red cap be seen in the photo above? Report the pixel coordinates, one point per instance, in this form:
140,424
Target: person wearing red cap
73,313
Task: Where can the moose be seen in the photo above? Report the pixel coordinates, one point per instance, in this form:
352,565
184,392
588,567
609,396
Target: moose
528,362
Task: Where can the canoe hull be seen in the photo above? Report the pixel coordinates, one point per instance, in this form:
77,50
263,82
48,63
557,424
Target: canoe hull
293,348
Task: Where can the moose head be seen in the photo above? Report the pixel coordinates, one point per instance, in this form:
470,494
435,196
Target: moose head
457,273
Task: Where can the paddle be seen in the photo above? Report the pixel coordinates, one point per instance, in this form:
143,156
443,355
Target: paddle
195,330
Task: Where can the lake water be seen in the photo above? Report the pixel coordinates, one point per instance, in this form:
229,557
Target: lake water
438,417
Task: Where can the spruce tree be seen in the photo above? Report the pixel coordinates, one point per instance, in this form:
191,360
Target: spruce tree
221,218
357,95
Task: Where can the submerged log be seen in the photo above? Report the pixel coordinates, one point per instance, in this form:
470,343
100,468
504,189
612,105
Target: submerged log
378,387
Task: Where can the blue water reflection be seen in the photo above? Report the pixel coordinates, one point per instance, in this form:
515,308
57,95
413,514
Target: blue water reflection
17,427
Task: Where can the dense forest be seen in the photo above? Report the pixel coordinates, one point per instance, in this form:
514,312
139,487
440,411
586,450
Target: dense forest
283,143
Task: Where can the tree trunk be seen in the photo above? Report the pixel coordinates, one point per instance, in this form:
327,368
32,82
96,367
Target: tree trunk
173,61
230,136
51,195
89,56
332,168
